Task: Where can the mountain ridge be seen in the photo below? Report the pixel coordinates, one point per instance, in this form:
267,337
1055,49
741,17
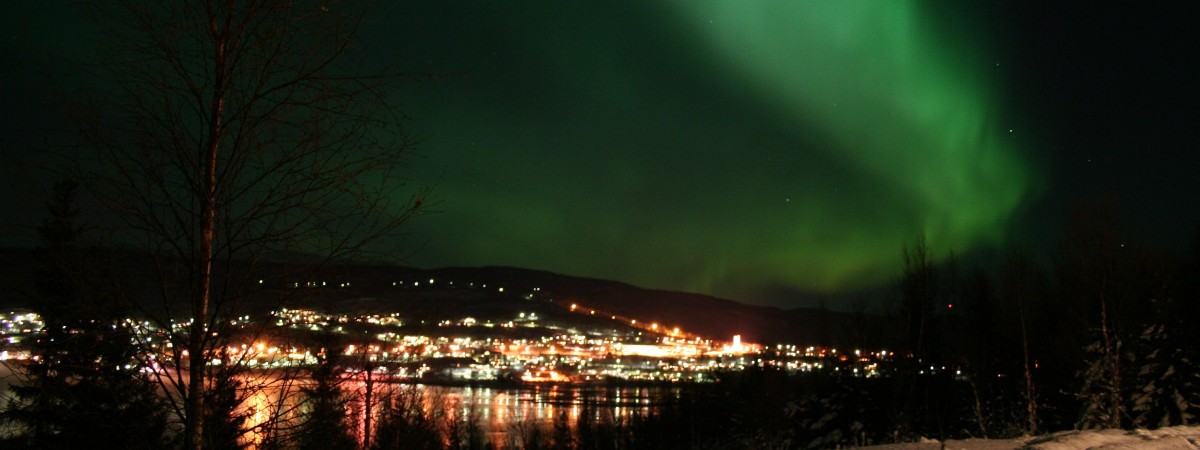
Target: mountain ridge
459,291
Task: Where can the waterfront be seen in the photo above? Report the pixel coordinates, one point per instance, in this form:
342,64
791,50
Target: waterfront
502,416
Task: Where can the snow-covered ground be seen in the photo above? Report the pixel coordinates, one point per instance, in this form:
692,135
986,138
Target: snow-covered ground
1180,437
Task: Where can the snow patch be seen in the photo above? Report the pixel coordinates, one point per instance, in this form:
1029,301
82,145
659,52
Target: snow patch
1170,438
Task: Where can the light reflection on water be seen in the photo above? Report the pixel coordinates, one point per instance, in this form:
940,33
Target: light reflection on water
500,409
500,412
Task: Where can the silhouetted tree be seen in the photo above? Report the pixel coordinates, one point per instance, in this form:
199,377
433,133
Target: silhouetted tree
918,295
326,425
1167,388
979,355
526,433
864,330
403,424
84,385
225,420
1108,281
562,437
231,133
916,402
1018,289
464,432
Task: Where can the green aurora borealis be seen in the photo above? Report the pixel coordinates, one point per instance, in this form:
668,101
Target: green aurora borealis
769,151
755,150
731,148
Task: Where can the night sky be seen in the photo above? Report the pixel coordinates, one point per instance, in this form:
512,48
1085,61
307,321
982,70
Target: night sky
763,151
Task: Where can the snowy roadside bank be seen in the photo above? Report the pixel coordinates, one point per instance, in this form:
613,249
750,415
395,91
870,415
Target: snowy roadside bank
1178,437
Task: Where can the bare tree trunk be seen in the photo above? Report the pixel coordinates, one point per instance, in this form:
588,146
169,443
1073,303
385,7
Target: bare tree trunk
204,257
1112,352
238,137
979,419
194,401
1031,427
367,409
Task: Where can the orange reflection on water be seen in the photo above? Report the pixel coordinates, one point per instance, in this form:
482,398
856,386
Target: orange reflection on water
502,415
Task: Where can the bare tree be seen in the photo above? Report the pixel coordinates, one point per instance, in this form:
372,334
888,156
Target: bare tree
1017,284
918,292
233,134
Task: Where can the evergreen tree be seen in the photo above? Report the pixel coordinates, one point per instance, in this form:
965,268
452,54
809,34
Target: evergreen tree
224,422
562,438
403,424
84,384
464,431
1168,380
1109,283
326,423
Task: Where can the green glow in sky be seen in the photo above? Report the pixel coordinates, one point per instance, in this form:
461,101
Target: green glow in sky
901,105
732,148
758,150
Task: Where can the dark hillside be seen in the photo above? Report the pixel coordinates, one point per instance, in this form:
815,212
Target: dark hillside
495,294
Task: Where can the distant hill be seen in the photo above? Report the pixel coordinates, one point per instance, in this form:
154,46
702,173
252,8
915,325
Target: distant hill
502,293
477,291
